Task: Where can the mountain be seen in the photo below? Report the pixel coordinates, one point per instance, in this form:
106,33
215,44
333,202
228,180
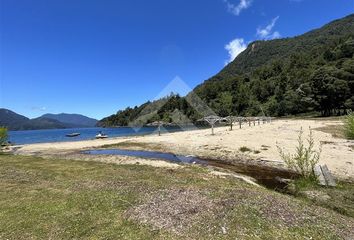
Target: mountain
313,72
14,121
73,120
42,123
11,120
259,53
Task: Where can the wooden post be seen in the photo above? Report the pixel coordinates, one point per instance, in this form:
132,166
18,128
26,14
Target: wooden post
258,121
254,122
211,120
240,123
231,125
159,129
249,122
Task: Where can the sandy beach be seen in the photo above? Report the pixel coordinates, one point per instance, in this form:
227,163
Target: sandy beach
262,140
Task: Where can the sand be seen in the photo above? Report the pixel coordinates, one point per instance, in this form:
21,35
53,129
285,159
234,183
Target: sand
337,153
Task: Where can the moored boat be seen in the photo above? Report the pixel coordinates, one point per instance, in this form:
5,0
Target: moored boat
101,136
72,134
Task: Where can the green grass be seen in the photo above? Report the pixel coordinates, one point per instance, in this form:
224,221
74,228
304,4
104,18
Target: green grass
349,126
62,199
340,198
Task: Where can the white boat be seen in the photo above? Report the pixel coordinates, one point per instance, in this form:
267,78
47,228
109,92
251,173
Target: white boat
101,136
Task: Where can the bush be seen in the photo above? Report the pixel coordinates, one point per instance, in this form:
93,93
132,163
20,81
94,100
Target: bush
305,157
244,149
3,136
349,126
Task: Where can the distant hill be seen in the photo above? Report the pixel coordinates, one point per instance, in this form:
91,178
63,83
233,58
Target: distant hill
42,123
14,121
73,120
306,73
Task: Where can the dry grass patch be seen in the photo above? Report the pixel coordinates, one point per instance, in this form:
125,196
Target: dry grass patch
174,210
335,130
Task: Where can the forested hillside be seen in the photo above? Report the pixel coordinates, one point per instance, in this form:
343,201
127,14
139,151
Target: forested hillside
72,120
311,72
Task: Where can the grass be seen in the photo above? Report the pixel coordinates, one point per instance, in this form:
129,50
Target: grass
335,130
339,199
244,149
349,126
62,199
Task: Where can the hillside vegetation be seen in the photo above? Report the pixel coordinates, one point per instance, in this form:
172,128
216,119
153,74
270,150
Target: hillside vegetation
311,72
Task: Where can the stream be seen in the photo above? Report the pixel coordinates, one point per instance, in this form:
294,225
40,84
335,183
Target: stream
265,175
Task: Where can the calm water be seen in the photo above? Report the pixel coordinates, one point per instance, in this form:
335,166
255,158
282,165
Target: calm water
58,135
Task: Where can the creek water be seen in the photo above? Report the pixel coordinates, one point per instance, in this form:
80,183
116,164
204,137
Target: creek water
265,175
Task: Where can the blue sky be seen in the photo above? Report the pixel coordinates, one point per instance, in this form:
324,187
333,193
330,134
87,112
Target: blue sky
95,57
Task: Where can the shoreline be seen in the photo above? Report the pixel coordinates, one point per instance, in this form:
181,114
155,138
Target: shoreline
337,153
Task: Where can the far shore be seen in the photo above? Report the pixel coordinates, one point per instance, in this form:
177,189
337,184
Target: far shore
261,140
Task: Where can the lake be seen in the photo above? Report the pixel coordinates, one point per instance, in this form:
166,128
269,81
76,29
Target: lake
59,135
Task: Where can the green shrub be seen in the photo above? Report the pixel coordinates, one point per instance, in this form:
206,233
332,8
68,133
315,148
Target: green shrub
349,126
3,136
244,149
305,157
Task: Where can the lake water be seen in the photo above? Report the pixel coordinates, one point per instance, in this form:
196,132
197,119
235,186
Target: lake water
59,135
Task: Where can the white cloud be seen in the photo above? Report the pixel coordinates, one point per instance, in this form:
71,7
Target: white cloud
36,108
234,48
266,32
236,9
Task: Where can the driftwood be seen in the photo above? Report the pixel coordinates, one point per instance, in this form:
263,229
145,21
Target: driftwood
324,176
319,175
328,176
